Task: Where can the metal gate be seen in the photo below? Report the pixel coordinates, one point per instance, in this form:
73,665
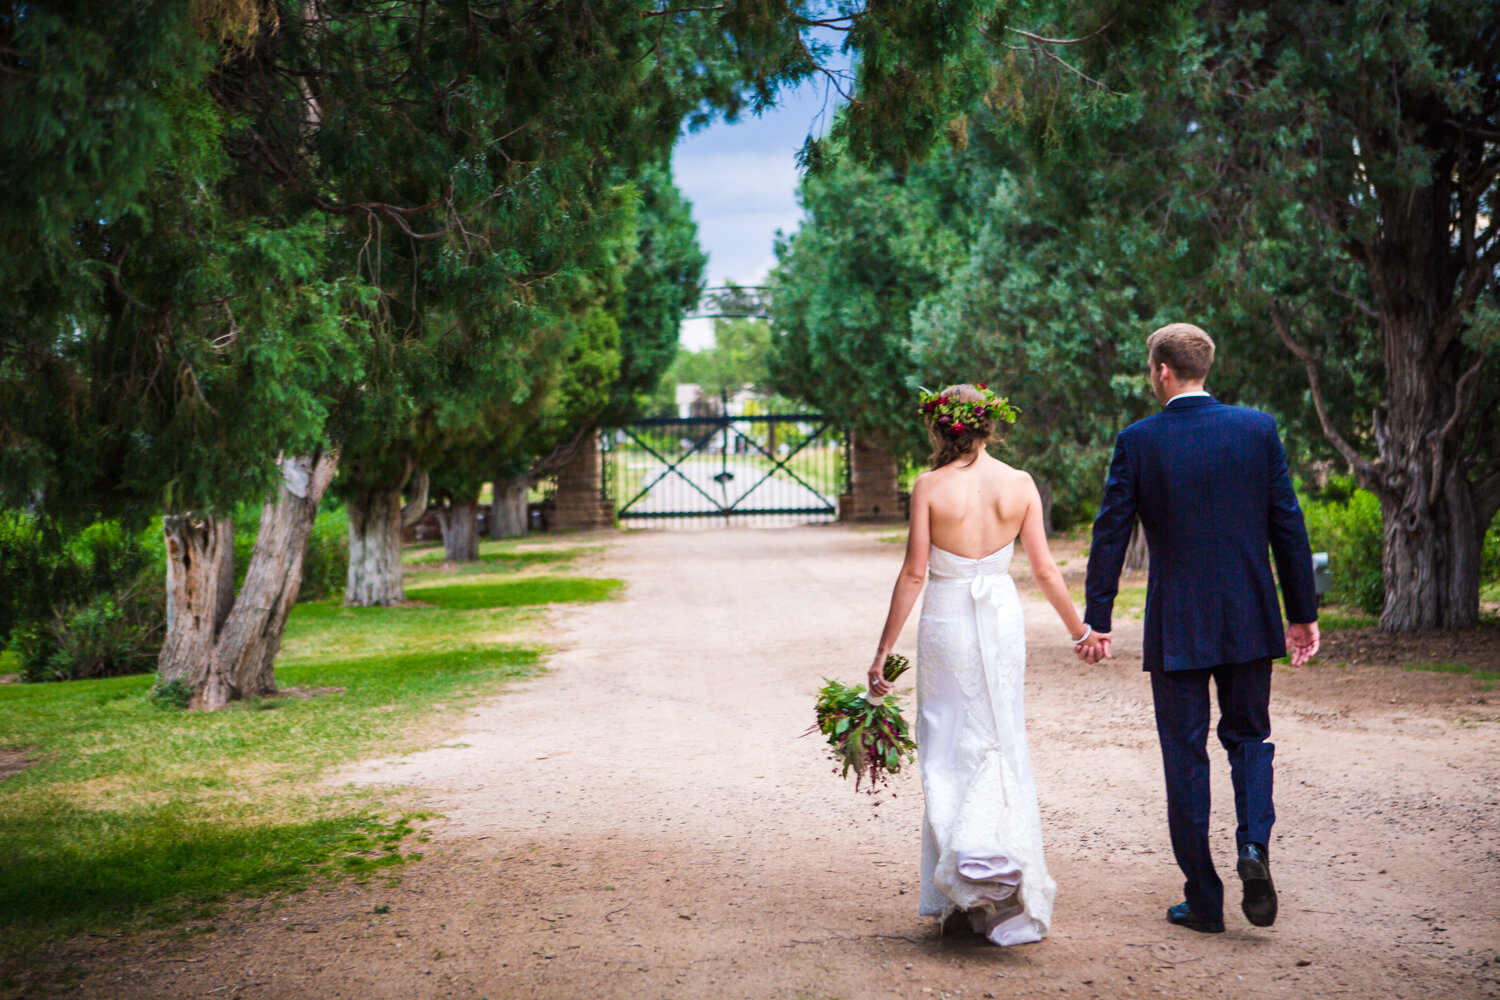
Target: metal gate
784,468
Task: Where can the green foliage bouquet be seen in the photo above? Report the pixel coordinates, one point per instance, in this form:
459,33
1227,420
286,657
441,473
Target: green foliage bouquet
864,734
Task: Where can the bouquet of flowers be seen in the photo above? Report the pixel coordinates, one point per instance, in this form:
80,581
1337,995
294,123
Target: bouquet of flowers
864,733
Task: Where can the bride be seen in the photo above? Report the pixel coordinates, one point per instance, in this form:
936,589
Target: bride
982,861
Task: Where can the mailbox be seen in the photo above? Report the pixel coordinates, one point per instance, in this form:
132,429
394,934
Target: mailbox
1322,578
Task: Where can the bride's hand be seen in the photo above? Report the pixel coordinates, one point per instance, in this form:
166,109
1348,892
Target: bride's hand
878,685
1094,648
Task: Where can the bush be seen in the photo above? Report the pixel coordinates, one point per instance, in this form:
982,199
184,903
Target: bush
89,605
325,568
1345,523
1489,565
103,637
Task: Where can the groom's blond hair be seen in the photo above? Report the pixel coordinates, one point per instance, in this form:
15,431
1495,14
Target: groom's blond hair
1182,347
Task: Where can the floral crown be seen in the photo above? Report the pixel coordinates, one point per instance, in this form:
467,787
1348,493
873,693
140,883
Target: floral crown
956,415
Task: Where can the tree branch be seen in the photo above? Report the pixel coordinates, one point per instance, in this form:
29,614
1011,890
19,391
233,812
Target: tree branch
1480,273
1310,360
1364,307
560,455
1036,47
1061,41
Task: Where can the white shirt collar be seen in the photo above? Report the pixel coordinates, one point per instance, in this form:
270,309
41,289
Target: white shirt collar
1185,395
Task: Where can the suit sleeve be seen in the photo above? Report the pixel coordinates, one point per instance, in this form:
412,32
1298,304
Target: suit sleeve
1111,539
1289,543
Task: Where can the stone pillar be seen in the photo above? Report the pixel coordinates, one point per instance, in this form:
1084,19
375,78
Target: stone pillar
580,490
874,484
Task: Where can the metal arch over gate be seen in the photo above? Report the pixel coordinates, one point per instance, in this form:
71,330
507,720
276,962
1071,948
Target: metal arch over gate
751,469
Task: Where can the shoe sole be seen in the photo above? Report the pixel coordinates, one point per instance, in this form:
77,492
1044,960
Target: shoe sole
1201,926
1259,903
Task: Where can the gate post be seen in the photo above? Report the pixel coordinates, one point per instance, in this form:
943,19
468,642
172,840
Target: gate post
581,503
873,482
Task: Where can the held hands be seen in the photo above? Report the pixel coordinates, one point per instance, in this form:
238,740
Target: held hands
1094,647
1305,642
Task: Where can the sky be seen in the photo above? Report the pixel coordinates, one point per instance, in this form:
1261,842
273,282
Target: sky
742,182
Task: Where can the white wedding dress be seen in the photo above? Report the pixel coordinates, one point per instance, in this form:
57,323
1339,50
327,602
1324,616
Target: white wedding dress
982,830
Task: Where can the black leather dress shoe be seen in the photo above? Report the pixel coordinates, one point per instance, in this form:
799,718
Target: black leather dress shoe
1183,916
1254,869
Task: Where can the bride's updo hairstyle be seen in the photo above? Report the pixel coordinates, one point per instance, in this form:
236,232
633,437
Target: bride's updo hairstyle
962,418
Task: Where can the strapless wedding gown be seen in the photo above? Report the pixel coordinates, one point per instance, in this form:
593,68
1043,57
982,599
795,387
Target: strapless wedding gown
982,830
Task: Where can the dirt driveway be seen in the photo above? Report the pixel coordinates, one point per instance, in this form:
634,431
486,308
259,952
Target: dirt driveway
643,821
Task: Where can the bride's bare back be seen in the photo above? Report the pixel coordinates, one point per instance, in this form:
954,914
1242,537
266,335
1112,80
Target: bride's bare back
972,509
976,509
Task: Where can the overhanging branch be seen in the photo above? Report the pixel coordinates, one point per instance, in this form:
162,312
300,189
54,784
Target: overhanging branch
1310,361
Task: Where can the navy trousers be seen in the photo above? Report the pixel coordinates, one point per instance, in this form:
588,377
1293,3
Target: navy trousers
1181,698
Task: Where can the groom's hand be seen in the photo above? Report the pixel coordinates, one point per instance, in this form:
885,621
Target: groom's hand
1305,642
1094,648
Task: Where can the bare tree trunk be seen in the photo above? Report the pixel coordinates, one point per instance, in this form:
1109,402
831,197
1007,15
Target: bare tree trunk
1137,555
245,655
374,547
1432,541
196,553
509,517
1431,561
459,520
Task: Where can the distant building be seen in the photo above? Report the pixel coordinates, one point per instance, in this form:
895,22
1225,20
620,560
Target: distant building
693,402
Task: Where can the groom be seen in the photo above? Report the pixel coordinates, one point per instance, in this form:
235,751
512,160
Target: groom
1210,486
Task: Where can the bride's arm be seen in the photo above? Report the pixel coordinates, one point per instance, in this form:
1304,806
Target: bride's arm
908,585
1043,570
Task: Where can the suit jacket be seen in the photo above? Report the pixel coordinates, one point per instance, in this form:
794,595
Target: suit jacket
1210,486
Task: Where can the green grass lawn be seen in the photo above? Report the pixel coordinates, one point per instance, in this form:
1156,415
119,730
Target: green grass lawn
495,557
135,814
1486,677
1334,617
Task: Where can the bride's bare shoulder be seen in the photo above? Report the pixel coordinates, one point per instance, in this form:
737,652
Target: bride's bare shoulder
1016,479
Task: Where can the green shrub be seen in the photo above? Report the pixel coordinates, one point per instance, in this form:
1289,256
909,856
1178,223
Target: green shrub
325,568
106,635
90,604
35,569
174,694
1489,566
1345,523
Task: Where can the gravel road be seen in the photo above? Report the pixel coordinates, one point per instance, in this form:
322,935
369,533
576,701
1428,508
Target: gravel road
643,821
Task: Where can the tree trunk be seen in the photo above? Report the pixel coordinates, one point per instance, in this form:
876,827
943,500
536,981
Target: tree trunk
1137,555
1433,517
1432,539
245,655
374,547
509,517
198,547
416,498
459,520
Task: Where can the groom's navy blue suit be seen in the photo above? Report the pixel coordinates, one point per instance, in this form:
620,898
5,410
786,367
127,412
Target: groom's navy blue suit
1210,486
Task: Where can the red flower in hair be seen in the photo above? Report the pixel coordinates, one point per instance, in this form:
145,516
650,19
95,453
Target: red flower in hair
958,427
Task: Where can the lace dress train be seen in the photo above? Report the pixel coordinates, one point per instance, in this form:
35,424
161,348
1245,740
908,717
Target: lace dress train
982,829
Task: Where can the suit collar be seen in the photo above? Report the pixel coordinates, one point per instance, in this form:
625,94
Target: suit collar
1190,402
